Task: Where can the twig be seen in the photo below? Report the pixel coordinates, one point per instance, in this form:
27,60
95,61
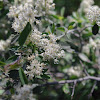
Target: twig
85,28
73,90
84,69
80,36
17,61
92,89
71,31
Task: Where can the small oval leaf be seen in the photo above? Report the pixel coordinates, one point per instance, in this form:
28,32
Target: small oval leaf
84,57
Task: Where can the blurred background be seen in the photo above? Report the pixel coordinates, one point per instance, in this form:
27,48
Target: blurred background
70,5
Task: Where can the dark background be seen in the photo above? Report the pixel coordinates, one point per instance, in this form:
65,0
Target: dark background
70,5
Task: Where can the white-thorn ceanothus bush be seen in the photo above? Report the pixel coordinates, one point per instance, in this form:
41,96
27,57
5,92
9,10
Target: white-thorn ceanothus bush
40,46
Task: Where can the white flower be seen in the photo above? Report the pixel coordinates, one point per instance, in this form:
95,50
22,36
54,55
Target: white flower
18,25
92,44
86,49
94,14
14,11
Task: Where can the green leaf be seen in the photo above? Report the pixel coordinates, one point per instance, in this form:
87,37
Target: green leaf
62,11
12,58
70,27
53,28
87,35
45,33
91,71
4,12
66,89
12,90
72,23
1,92
38,89
75,15
1,5
45,76
61,29
14,66
92,55
55,16
72,45
23,77
24,34
2,63
44,70
11,1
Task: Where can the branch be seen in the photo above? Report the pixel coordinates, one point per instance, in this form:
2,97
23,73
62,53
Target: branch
72,81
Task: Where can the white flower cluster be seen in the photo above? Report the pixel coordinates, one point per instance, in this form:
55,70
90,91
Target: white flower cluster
22,14
98,43
94,44
49,50
4,44
47,43
85,5
74,70
28,11
24,93
93,15
42,6
34,69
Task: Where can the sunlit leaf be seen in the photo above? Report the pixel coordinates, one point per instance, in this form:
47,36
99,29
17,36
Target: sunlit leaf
53,28
62,11
66,89
61,29
84,57
1,92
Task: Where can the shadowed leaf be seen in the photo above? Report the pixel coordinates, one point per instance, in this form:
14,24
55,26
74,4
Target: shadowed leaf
24,34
